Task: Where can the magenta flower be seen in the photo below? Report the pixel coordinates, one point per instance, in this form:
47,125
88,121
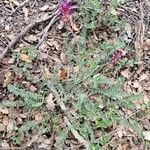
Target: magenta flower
116,56
65,11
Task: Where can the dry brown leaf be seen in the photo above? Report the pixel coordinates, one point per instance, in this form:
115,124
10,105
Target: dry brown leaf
63,57
10,126
46,73
26,12
15,2
143,77
23,116
54,43
2,127
73,26
34,139
146,99
38,117
146,135
136,84
4,110
50,102
25,58
8,78
4,145
60,25
33,88
11,61
45,7
147,42
7,27
62,74
126,73
5,120
32,38
76,69
114,12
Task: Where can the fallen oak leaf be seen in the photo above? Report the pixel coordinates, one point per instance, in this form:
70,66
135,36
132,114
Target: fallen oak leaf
38,117
146,135
50,102
8,78
62,74
63,57
46,73
4,110
25,58
5,120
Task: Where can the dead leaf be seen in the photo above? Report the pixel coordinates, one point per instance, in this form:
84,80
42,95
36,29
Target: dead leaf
60,25
4,144
143,77
7,27
73,26
23,116
25,58
8,78
11,61
126,73
32,38
46,73
50,102
114,12
45,7
63,57
136,84
2,127
43,146
54,43
4,111
146,135
147,41
34,139
62,74
5,120
128,29
146,123
38,117
15,2
26,12
123,147
33,88
10,126
146,99
76,69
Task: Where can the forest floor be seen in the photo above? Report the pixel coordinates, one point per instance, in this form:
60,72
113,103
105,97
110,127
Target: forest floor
75,75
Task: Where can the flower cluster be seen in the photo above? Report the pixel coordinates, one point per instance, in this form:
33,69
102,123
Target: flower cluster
65,11
116,56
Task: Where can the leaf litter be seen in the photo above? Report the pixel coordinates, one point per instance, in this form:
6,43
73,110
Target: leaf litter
56,62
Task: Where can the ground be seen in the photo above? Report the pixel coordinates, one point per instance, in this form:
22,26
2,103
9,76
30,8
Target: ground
75,75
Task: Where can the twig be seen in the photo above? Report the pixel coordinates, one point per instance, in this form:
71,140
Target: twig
14,41
44,32
63,107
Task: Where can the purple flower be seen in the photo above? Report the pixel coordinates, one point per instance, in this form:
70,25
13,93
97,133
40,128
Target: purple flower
65,11
116,56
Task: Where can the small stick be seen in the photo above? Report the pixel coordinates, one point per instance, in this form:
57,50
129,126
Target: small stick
14,41
44,32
